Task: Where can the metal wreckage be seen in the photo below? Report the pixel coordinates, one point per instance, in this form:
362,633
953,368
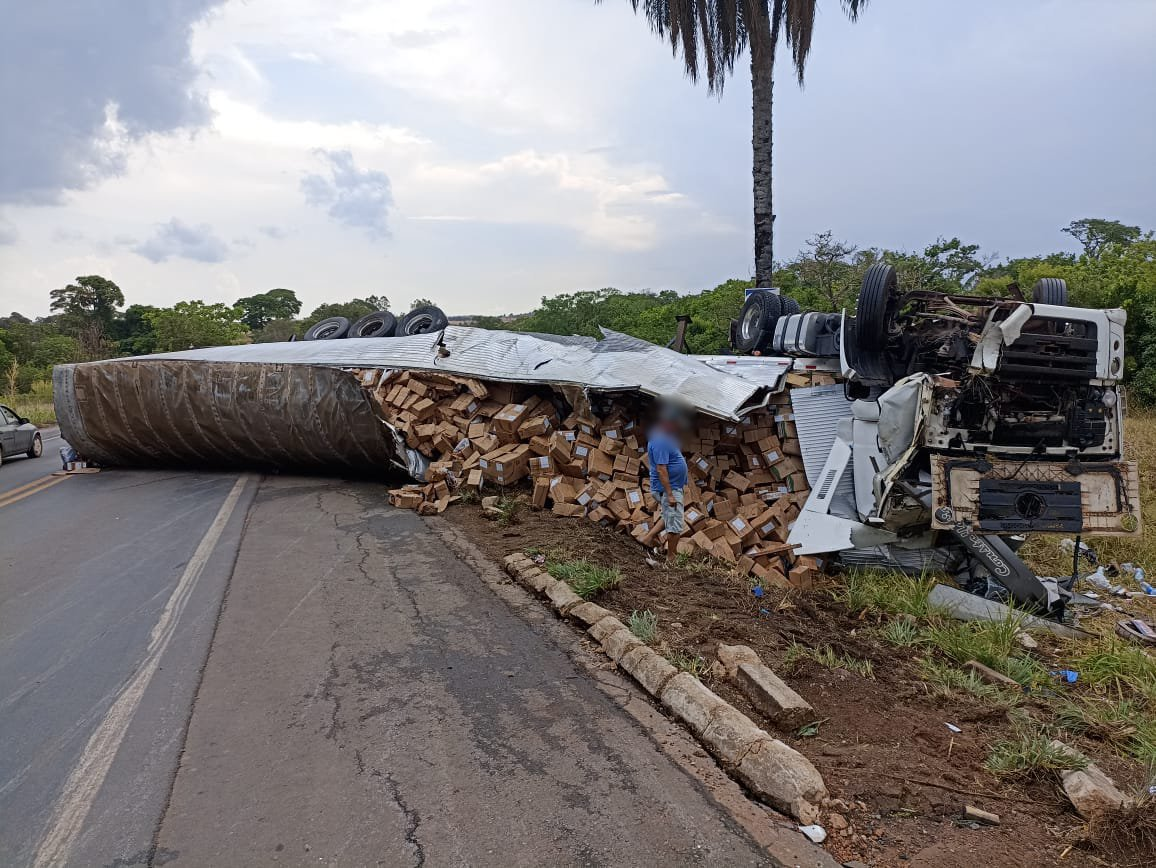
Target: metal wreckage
934,431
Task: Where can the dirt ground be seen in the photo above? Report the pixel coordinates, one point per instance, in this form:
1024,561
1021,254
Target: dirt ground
883,746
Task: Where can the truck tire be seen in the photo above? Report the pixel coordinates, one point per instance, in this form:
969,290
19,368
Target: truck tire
328,329
422,320
1051,290
756,325
876,308
380,324
790,306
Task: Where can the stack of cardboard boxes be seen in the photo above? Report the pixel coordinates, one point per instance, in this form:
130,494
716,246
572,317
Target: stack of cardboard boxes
746,479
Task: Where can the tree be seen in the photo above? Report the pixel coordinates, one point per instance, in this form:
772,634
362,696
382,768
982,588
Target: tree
421,302
1094,234
88,307
134,332
828,278
261,309
189,324
711,34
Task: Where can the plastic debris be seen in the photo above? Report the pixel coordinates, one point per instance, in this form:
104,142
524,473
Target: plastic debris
816,834
1098,579
1086,552
953,727
757,590
1068,675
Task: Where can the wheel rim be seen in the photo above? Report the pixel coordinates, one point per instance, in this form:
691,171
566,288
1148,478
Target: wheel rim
37,447
747,325
420,324
326,332
370,329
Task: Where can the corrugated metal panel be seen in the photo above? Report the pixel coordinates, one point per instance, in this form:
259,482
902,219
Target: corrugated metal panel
818,411
220,414
497,355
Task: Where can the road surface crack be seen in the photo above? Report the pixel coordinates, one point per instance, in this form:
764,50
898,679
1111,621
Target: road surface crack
412,820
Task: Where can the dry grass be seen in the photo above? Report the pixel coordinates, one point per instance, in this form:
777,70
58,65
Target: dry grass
1043,552
36,405
1130,830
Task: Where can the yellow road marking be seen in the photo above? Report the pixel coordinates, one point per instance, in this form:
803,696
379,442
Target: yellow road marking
30,489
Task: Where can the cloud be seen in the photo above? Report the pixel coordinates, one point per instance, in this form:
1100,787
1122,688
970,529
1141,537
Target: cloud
82,80
421,38
178,240
8,233
274,232
360,198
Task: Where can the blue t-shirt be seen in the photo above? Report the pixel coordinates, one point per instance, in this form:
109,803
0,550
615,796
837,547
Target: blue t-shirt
663,449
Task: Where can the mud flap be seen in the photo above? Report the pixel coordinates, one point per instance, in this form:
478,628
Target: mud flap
1006,568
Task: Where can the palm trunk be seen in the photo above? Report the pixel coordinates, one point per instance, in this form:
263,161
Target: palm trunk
762,93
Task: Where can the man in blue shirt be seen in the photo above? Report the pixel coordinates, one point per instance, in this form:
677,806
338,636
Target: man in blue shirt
668,477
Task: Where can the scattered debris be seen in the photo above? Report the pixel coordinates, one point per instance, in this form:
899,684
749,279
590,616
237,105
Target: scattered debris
968,607
730,656
588,459
1069,676
986,673
953,727
1136,630
817,834
771,695
980,816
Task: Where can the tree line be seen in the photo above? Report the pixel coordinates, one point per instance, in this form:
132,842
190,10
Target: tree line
89,321
1115,268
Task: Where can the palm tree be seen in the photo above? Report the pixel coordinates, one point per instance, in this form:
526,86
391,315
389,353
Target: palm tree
711,35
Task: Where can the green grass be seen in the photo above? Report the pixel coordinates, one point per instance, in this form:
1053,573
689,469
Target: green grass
509,508
1119,668
992,643
644,625
945,679
1031,755
585,578
829,658
684,661
890,592
902,632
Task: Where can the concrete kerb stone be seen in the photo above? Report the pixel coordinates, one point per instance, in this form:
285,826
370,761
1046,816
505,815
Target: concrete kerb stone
589,614
563,597
619,642
601,629
774,771
783,777
691,701
648,668
772,696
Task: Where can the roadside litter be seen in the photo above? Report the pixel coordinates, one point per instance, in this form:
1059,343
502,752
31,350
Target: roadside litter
586,458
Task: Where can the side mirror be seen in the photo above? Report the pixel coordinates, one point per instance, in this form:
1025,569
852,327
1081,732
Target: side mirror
20,420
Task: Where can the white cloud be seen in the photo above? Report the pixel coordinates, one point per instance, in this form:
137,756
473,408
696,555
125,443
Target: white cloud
352,196
178,240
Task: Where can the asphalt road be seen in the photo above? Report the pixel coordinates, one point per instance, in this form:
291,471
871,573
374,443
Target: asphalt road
366,699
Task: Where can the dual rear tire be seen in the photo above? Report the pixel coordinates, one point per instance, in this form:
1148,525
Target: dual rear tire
380,324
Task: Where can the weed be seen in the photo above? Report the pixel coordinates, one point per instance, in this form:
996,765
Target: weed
684,661
944,679
1130,829
509,508
992,643
891,592
585,578
644,625
1031,754
1117,666
698,566
829,658
902,632
470,495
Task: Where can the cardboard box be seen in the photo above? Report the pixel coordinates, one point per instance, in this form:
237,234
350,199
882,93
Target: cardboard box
737,481
541,491
600,464
570,510
541,465
534,426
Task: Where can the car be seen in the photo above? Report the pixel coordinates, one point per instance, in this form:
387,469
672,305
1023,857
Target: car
18,436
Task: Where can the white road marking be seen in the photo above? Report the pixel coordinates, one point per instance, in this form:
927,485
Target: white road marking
86,779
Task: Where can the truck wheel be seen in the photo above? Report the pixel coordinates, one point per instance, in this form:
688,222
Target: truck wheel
328,329
380,324
756,325
790,306
876,308
421,320
1051,290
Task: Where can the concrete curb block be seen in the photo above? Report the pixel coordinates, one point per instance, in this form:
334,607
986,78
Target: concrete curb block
774,771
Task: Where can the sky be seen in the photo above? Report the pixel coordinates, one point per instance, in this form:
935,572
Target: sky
485,153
